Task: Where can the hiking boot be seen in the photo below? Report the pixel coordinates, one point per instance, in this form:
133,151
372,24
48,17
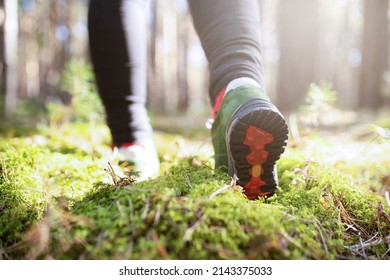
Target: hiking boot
142,159
249,134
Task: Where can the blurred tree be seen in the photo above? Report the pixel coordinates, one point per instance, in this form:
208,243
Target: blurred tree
2,58
154,95
183,22
29,66
168,44
375,53
11,28
298,39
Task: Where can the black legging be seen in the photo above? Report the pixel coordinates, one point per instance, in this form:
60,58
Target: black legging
229,31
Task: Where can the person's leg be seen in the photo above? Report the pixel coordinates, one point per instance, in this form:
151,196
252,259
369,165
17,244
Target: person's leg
249,134
229,31
117,39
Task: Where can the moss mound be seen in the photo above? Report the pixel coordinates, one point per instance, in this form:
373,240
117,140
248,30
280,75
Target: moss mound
55,204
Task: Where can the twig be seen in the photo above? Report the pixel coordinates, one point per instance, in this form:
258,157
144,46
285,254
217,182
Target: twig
129,250
188,180
351,227
222,189
316,224
119,181
367,244
299,246
323,240
373,237
345,217
363,152
157,216
2,251
72,191
226,187
161,249
120,208
387,196
192,229
223,253
196,150
146,209
132,224
382,214
361,244
4,170
388,250
111,172
25,202
99,240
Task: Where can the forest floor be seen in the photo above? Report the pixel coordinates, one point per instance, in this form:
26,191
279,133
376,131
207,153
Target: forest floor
63,195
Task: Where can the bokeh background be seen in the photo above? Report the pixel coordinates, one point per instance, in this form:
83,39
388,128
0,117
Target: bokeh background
64,193
340,45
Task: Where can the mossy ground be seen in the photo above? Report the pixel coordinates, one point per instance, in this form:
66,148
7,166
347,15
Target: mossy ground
57,201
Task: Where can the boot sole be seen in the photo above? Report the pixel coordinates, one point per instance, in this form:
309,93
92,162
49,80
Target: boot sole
256,137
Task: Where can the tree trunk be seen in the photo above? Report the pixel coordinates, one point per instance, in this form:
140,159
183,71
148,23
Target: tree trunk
2,57
155,87
182,63
375,53
298,37
11,55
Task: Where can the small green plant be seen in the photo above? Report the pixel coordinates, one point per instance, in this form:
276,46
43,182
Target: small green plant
381,131
319,96
320,100
78,80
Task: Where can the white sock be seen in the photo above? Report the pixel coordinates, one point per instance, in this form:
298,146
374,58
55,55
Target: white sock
243,81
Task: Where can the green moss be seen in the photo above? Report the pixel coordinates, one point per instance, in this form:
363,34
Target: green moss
58,185
31,177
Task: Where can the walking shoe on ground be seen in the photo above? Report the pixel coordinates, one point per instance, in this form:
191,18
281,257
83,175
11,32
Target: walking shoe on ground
143,159
249,134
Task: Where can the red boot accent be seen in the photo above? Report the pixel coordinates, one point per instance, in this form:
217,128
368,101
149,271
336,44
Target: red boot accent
218,102
124,145
256,139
